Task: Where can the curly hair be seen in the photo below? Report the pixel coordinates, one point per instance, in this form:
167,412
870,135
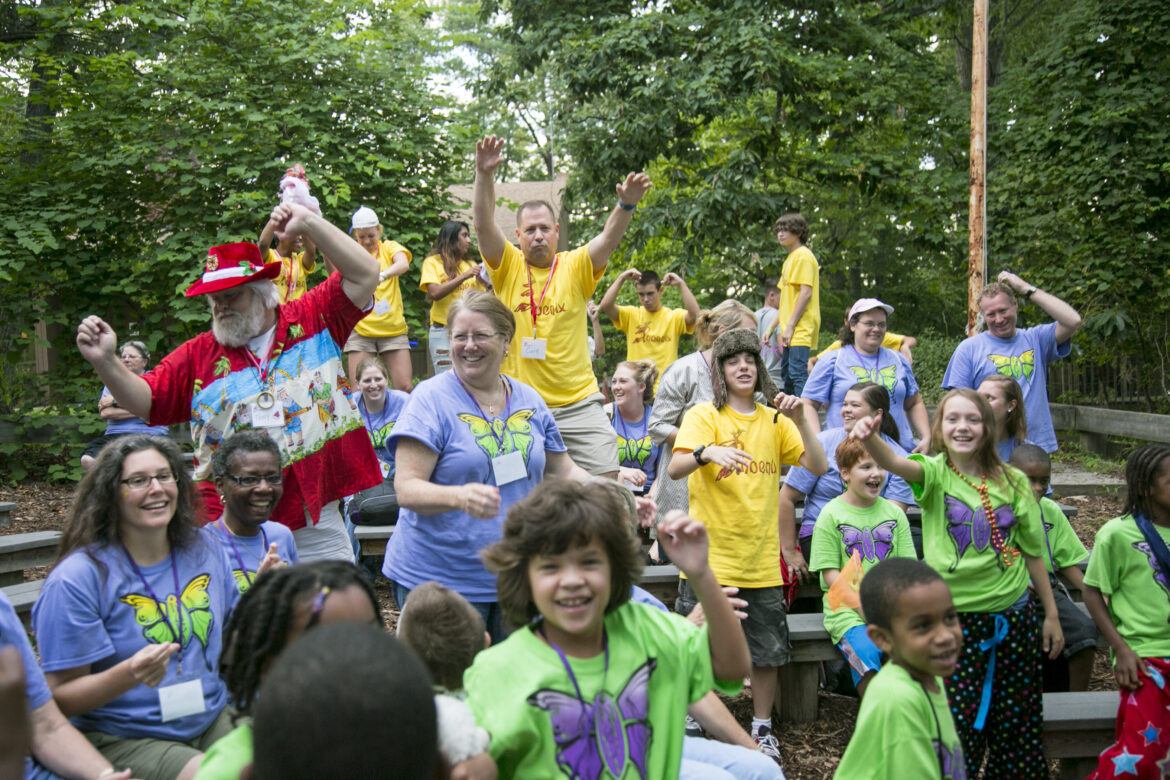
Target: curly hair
793,223
260,625
94,515
559,516
1141,470
244,441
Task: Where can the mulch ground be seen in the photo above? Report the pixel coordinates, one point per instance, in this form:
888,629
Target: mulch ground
810,751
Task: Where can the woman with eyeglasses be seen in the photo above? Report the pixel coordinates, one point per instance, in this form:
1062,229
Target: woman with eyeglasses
246,469
130,618
470,443
120,422
862,358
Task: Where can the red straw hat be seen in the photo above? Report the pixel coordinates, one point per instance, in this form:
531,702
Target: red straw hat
229,265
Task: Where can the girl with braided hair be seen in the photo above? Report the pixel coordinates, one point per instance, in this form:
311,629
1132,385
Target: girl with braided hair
280,606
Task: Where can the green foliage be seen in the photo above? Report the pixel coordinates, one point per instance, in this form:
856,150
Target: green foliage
46,443
931,356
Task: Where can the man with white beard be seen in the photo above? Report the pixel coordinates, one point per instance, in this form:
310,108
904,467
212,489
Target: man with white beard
258,350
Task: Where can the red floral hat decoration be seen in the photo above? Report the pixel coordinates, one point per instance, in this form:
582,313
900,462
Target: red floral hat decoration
230,265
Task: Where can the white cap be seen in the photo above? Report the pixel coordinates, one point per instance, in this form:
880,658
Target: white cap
868,304
364,217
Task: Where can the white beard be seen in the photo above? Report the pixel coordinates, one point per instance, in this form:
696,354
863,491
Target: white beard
236,329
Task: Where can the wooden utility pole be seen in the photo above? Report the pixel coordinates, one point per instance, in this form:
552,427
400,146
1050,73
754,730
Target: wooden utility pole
977,219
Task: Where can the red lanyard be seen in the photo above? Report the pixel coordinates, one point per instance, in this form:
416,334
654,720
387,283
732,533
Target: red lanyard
535,305
261,368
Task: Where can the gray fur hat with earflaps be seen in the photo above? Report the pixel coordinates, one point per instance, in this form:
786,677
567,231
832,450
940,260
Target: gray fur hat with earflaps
729,344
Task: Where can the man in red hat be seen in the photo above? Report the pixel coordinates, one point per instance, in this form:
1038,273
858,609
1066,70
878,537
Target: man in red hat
230,378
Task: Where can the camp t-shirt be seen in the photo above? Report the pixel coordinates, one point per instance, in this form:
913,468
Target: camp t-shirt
445,546
89,617
1025,358
658,665
292,281
565,376
652,335
636,449
245,553
840,370
381,424
36,690
740,507
800,268
1066,548
819,491
897,734
434,273
1123,568
387,317
876,533
956,535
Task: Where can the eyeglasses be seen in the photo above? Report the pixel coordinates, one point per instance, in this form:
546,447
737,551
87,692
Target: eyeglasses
251,481
142,481
872,325
464,338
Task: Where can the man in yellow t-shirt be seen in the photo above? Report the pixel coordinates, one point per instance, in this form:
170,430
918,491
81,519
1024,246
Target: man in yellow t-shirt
547,292
800,302
651,331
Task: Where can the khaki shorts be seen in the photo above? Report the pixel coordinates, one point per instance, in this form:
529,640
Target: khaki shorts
157,759
375,345
588,435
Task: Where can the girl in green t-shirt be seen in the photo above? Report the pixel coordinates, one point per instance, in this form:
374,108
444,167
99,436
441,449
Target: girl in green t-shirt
981,531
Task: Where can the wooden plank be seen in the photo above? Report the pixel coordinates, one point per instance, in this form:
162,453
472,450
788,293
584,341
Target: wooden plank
24,595
1113,422
372,538
1079,725
6,508
33,540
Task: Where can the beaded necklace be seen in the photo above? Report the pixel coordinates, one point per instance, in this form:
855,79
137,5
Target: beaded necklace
1009,553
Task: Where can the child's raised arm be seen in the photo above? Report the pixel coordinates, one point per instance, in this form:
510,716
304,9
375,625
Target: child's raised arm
813,458
685,541
1127,666
866,430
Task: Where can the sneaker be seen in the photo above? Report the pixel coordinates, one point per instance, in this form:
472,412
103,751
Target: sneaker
693,727
767,743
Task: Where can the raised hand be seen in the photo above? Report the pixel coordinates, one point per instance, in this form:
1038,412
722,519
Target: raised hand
672,280
96,340
789,405
288,220
632,190
867,426
271,560
591,310
1012,281
684,539
489,153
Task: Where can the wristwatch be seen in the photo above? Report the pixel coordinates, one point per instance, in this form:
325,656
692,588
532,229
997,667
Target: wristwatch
1031,291
698,453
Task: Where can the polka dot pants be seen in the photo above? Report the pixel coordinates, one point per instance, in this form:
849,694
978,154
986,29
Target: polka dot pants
1011,735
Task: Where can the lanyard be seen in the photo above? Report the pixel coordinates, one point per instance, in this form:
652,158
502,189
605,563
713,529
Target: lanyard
573,678
877,361
625,431
162,605
937,731
236,550
535,304
261,368
499,437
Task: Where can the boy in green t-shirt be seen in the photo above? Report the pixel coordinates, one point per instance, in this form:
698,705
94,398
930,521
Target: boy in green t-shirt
1063,552
904,727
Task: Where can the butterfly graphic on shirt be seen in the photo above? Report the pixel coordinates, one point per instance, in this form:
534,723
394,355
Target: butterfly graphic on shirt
189,613
1018,367
971,528
603,737
1159,576
873,544
634,450
886,377
515,433
378,438
734,441
244,579
950,762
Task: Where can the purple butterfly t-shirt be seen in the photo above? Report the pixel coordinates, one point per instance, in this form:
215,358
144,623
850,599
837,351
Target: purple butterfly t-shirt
958,542
445,547
87,616
249,551
841,369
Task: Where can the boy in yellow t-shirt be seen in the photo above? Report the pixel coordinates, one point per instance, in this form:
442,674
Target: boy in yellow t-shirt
733,449
800,302
652,332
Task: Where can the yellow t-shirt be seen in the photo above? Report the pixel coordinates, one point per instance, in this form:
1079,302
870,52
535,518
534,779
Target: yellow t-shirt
292,279
653,336
889,341
433,273
565,376
740,508
387,318
800,268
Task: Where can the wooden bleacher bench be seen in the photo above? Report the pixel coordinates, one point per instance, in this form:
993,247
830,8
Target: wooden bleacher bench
23,595
372,538
1077,727
24,551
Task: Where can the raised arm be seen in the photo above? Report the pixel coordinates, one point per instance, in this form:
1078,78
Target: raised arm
489,153
598,334
358,268
688,298
813,458
97,343
266,235
867,431
1068,320
609,300
629,193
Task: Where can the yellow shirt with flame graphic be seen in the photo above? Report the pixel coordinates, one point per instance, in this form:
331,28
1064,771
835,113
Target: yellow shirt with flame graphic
565,376
652,335
740,507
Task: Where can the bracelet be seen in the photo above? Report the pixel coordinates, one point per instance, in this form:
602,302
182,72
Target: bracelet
626,206
1031,291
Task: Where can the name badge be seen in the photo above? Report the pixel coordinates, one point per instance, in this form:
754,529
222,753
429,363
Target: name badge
533,349
509,468
385,469
266,417
181,699
382,307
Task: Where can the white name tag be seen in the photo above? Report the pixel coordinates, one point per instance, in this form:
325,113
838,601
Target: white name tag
181,699
382,307
533,349
509,468
385,469
272,417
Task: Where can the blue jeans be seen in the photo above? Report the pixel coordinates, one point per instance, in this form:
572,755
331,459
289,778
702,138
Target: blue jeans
493,616
707,759
794,369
